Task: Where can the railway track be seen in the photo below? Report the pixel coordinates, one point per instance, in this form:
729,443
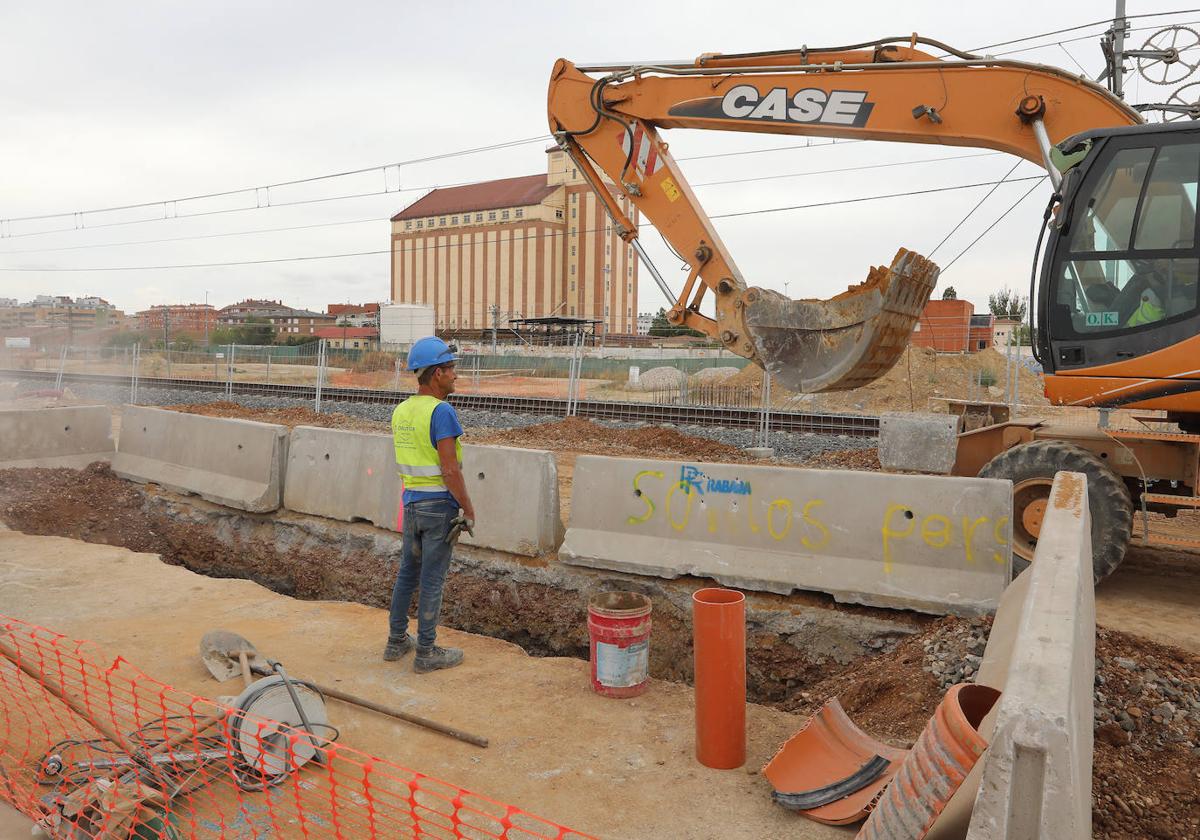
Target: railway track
855,425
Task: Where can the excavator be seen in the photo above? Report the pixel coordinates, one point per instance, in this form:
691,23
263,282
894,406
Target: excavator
1116,323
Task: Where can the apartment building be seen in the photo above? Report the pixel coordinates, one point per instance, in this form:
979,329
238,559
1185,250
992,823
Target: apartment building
284,320
198,318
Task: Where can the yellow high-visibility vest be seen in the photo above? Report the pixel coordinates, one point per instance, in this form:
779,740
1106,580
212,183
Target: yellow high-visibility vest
417,458
1147,313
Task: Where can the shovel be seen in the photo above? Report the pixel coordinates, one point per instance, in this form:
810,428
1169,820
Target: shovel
227,654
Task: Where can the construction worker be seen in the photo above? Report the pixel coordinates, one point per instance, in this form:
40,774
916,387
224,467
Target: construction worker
1149,310
425,431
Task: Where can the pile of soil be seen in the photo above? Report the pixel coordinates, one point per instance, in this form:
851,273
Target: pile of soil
918,378
845,459
583,436
297,416
91,504
1147,753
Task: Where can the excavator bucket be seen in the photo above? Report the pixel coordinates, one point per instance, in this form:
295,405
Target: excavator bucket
845,342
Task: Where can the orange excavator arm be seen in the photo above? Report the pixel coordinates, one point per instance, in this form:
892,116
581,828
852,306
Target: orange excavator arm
610,125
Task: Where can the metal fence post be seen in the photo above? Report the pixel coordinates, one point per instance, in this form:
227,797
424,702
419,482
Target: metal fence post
765,419
62,363
268,366
133,378
229,372
320,374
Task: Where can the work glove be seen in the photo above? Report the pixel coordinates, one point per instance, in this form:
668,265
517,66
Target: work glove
459,524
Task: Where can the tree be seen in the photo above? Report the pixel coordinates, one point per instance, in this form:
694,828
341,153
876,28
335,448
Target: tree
1006,303
949,294
252,331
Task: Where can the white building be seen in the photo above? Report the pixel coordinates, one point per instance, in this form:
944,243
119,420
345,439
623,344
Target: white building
8,302
644,321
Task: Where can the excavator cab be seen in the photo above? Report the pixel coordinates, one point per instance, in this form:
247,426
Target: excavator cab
1119,309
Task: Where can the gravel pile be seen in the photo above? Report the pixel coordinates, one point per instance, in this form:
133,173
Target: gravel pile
954,651
713,375
659,378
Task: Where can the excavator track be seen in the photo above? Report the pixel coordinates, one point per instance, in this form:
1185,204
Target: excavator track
848,341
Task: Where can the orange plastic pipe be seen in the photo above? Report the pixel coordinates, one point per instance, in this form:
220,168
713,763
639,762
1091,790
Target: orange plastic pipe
719,643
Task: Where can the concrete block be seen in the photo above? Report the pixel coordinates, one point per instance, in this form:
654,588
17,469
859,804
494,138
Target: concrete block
515,492
236,463
924,443
938,545
1035,779
55,437
342,475
352,476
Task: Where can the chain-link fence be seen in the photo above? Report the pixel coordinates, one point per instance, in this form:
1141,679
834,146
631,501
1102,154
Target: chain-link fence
655,384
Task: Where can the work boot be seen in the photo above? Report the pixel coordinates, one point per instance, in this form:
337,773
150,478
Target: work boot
396,648
432,658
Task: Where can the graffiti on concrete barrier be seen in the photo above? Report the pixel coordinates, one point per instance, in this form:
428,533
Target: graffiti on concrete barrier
730,508
698,482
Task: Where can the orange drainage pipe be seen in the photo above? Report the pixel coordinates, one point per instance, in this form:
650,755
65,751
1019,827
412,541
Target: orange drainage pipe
939,761
719,642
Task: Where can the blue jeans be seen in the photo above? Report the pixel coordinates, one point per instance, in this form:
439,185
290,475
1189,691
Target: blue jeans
424,562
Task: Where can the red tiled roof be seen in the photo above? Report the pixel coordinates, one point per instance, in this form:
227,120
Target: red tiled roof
347,332
489,195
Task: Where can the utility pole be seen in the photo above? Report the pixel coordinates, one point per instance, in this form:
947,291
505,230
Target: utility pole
1113,47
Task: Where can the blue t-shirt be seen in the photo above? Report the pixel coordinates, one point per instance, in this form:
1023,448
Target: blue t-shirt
443,424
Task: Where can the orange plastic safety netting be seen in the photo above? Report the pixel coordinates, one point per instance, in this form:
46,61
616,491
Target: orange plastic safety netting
91,747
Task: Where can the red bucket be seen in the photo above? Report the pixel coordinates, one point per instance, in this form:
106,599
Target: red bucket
619,627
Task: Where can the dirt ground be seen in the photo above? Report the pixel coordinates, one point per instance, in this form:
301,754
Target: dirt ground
916,383
598,765
1148,702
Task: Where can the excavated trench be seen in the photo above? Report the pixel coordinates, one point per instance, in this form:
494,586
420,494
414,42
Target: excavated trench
536,603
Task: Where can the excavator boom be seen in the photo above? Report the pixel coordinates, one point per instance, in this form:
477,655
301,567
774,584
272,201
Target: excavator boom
884,90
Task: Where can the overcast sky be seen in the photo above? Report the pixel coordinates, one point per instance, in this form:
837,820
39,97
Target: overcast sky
106,105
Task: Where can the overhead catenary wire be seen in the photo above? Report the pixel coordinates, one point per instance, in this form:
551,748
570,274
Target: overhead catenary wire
971,212
1102,22
275,205
541,138
782,176
989,228
736,214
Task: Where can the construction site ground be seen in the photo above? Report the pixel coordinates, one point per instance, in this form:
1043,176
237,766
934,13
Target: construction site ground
614,768
1146,764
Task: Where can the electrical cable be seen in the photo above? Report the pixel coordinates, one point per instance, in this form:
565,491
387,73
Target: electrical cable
988,229
363,221
592,230
542,138
397,191
1102,22
978,204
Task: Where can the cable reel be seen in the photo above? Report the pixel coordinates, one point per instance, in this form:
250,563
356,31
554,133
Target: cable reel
269,735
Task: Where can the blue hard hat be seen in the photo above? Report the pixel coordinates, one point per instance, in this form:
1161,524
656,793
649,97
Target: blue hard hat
429,351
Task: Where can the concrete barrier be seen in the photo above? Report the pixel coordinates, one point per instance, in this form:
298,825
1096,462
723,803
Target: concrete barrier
918,442
236,463
1035,780
352,476
342,475
938,545
55,437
